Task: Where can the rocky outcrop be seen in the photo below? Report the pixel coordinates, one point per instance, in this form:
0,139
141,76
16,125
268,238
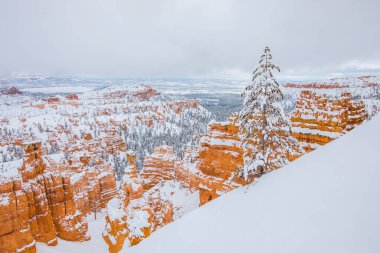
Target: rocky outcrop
158,167
132,187
115,231
107,186
15,231
134,215
318,120
220,156
220,151
40,218
30,215
142,94
357,114
156,203
69,222
46,199
186,173
86,191
139,221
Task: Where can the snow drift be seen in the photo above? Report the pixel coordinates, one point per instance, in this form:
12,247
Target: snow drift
326,201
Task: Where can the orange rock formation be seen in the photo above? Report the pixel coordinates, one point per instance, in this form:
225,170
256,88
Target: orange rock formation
134,215
318,120
46,203
15,229
115,231
158,166
220,156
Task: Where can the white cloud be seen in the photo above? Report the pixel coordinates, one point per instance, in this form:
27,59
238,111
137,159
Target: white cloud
361,65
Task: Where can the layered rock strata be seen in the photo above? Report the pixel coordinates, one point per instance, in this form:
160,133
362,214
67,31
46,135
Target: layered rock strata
317,120
220,156
158,167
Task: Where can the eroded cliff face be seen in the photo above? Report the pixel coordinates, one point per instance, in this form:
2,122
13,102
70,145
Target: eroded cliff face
15,230
220,156
68,221
30,216
134,215
220,150
158,166
318,120
207,169
357,114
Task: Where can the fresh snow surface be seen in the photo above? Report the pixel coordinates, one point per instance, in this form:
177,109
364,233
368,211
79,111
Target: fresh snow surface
326,201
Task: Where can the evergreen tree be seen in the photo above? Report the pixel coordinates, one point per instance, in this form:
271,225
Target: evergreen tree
267,138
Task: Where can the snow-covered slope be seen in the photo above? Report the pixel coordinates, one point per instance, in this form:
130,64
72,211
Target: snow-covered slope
326,201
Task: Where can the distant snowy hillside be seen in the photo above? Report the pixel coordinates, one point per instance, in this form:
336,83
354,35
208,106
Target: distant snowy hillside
326,201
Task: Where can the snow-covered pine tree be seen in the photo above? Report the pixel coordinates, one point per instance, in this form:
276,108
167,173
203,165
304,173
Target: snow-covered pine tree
266,133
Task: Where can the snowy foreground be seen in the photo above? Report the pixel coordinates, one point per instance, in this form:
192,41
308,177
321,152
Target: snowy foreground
183,201
326,201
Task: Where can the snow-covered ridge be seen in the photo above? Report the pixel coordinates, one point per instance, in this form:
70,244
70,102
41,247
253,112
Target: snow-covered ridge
334,83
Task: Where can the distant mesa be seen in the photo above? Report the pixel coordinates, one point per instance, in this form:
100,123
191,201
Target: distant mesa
337,83
10,91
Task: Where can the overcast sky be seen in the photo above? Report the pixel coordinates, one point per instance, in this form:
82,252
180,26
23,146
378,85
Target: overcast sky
188,38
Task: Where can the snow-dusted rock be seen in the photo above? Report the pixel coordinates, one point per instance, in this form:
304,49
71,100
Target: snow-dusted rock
318,119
